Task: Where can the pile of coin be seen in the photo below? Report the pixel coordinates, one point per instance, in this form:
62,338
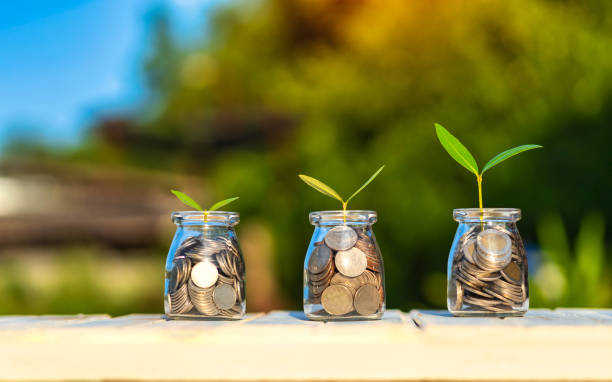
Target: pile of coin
206,278
489,271
344,273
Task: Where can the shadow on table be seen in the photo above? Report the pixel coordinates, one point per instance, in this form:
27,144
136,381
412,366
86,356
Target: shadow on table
298,315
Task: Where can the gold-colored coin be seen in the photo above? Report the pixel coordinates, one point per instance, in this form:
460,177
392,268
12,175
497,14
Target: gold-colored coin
351,262
367,300
512,273
337,300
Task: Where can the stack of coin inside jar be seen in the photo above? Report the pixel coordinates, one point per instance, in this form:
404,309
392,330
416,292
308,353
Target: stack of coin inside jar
489,271
206,278
344,273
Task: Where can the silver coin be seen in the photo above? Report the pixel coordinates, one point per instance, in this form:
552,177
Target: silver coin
468,250
497,295
352,262
459,295
481,302
367,300
513,274
202,299
341,238
319,259
494,250
321,278
337,300
204,274
179,301
224,296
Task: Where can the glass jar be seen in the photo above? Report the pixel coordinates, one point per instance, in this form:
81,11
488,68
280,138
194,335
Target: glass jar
487,265
343,270
205,268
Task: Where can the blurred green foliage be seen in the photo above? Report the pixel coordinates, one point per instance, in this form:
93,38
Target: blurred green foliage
572,276
80,279
335,88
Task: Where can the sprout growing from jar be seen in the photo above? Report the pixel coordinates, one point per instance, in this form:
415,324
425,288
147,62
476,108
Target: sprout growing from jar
192,203
461,154
326,190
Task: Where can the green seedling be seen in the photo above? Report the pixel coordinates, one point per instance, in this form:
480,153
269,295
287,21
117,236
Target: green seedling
192,203
461,154
326,190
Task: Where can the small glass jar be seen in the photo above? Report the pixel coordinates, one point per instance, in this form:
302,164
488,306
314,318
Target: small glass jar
487,265
205,268
343,270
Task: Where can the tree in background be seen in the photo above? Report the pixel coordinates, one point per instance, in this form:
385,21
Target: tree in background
334,88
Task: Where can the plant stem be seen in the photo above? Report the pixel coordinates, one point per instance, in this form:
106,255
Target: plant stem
479,179
344,211
205,216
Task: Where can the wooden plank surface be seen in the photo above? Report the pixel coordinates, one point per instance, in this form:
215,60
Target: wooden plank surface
564,344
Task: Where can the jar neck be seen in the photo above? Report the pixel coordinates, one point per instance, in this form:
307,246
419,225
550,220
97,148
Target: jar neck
209,219
340,217
475,215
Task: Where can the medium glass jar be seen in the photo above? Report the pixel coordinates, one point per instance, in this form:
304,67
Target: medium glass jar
487,265
343,270
205,268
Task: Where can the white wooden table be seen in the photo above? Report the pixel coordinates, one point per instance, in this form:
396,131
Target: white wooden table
563,344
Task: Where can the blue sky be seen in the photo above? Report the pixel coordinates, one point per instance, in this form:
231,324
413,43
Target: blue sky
60,61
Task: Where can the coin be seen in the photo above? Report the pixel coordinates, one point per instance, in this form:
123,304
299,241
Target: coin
472,290
317,290
319,259
179,273
497,295
459,298
490,274
481,302
228,263
206,250
367,300
202,299
337,300
204,274
323,276
468,250
224,296
512,273
341,238
179,301
352,262
494,250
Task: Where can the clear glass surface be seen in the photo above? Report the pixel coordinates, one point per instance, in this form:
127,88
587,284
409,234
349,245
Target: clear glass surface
487,265
343,269
205,273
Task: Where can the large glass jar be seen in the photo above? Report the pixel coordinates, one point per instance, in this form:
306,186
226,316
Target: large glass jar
487,265
343,270
205,268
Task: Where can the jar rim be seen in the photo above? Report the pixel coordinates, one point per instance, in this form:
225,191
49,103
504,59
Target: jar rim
487,214
332,217
213,218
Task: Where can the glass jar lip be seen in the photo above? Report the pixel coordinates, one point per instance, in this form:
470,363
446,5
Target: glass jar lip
487,214
335,217
224,218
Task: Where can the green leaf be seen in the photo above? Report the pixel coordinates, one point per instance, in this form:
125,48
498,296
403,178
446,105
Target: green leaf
366,183
456,149
321,187
222,203
507,154
187,200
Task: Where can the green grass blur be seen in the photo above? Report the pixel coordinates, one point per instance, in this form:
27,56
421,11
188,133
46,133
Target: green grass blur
335,89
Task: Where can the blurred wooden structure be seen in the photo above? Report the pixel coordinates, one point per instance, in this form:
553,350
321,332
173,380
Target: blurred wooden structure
564,344
57,203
